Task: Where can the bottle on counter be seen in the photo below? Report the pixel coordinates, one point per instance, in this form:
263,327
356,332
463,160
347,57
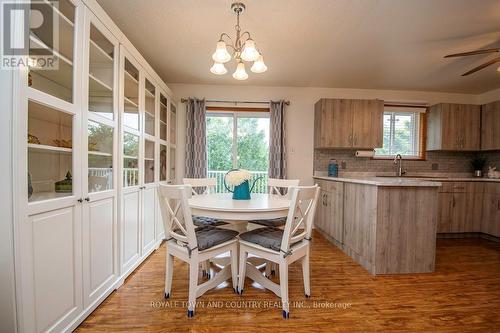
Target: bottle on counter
333,168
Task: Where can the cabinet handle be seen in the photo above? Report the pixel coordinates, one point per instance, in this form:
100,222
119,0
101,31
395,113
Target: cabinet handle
355,138
87,199
453,201
326,199
498,204
80,200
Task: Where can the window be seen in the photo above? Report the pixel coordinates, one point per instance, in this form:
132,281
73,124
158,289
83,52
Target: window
402,132
238,140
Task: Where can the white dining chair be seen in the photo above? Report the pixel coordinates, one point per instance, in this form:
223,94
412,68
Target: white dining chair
283,246
193,246
207,186
276,187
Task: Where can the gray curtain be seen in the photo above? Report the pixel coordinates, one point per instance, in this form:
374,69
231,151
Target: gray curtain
196,139
277,152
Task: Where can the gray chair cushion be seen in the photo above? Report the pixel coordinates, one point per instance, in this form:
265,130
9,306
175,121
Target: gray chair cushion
278,222
201,221
209,236
268,237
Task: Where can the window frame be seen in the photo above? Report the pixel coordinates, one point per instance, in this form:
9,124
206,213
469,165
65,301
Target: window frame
422,132
236,113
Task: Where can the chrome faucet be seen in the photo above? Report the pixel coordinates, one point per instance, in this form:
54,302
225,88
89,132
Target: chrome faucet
398,162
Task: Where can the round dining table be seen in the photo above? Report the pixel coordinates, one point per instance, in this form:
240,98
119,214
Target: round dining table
223,206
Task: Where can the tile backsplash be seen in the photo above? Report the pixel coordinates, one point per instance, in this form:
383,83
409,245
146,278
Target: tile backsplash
436,162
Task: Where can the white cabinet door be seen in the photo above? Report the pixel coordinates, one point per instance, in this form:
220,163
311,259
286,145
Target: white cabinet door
148,219
100,150
130,229
99,248
57,268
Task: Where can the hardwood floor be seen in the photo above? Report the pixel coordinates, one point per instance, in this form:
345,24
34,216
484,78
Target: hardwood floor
462,295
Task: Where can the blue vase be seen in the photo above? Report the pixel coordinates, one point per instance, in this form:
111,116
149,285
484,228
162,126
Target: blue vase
242,191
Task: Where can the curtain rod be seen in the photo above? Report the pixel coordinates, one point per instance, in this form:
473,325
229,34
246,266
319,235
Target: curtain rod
184,100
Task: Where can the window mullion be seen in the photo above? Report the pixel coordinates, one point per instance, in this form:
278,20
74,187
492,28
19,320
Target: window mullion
392,132
235,141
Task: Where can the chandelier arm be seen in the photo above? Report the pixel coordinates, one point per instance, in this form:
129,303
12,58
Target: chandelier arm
224,34
247,33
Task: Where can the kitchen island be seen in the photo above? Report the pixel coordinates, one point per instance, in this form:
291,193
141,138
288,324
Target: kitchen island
387,225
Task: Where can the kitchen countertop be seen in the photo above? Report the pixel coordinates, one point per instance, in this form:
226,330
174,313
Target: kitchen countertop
384,181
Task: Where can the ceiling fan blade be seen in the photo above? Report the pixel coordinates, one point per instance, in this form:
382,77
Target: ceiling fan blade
486,64
464,54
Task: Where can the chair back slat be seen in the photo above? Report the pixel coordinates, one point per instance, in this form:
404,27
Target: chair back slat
275,185
201,185
176,213
303,200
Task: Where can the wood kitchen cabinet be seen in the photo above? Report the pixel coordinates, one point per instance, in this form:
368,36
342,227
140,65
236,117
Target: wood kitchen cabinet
454,127
329,213
490,126
491,210
460,207
348,123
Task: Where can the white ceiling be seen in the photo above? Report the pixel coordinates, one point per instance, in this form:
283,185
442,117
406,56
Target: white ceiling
373,44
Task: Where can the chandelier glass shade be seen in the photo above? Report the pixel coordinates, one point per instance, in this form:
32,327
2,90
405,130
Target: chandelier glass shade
243,48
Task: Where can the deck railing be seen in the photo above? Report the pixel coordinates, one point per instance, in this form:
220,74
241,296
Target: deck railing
260,186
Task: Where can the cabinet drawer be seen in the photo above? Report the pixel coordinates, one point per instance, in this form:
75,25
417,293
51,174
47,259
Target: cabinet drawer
493,188
453,187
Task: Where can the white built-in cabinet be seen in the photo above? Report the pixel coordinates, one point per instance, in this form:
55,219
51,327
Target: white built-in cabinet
93,140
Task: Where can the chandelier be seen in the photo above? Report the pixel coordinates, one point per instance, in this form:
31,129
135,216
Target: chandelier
243,49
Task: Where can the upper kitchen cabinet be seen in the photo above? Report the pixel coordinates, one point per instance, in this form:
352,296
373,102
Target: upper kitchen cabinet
348,123
490,126
453,127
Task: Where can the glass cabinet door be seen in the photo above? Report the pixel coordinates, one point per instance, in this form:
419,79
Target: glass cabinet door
163,162
149,108
163,117
101,124
51,50
131,96
149,161
101,65
130,160
173,124
50,153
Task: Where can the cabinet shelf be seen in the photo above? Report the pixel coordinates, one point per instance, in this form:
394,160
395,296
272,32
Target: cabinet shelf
131,78
60,14
48,149
130,105
37,44
98,55
99,153
97,86
38,196
149,93
131,157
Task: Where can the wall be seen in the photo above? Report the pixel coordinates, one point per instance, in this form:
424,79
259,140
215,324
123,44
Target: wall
299,117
